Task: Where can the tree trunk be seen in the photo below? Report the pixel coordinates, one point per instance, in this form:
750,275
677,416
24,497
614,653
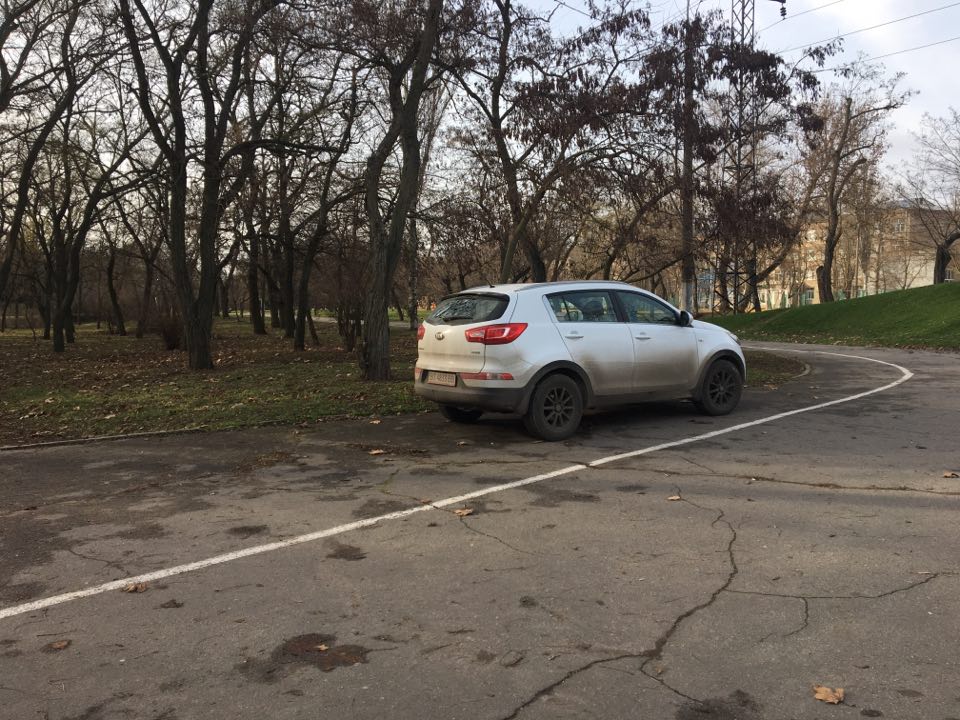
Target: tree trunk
224,296
112,292
413,272
387,237
253,283
145,301
943,258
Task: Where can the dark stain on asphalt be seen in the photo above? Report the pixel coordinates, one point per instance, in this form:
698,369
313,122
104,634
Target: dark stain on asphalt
144,531
635,488
245,531
482,507
312,649
377,506
910,693
528,602
485,657
871,713
172,685
171,604
550,496
346,552
736,706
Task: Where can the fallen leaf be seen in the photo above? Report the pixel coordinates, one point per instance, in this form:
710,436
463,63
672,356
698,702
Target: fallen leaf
377,452
375,422
321,648
828,695
951,475
674,498
59,645
461,443
134,588
463,512
110,416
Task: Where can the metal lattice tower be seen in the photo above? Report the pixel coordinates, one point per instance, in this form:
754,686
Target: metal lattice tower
739,163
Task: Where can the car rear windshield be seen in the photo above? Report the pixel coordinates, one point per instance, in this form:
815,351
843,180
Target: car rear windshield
464,309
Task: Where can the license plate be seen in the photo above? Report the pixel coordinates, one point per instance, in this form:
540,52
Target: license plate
442,378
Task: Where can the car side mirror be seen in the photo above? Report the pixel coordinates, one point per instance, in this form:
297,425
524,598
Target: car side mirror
686,319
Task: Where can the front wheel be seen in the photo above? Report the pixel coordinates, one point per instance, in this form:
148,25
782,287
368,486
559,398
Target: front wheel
555,409
459,414
721,389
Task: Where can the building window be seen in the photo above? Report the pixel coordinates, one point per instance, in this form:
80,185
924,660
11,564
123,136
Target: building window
899,226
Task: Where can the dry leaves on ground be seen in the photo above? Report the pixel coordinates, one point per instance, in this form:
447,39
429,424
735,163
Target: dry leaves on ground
951,475
377,452
674,498
135,588
59,645
463,512
828,695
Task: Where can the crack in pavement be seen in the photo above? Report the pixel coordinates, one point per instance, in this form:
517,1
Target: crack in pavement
801,483
656,652
570,674
463,521
888,593
108,563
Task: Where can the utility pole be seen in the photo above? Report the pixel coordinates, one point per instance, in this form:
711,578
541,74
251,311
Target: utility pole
688,267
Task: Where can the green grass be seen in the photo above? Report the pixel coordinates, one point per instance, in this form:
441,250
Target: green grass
927,317
106,385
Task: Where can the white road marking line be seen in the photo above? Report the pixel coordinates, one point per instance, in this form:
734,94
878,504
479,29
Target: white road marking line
359,524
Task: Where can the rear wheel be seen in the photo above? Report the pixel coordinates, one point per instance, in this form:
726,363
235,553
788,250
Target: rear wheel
460,414
721,389
555,409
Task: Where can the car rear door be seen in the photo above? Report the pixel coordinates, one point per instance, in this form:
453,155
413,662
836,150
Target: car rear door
444,348
595,338
666,354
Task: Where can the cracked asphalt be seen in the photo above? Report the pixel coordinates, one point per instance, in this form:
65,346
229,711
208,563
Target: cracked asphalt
820,548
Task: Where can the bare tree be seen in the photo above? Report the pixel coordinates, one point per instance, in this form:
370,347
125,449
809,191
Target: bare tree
932,186
192,65
853,137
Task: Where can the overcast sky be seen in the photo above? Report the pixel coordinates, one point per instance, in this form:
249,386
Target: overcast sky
933,73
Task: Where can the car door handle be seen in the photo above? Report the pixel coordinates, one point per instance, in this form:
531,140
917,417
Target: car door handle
574,336
642,337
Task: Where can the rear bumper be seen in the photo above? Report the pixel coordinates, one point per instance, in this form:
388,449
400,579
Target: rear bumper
493,399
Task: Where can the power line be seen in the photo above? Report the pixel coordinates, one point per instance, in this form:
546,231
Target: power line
898,52
872,27
571,7
791,17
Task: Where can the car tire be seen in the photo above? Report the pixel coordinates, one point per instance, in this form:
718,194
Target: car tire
721,389
556,407
460,414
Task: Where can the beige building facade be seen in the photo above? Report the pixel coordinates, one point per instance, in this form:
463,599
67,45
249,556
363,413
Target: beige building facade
895,249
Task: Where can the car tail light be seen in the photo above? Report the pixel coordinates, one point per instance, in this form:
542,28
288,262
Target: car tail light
486,376
420,331
496,334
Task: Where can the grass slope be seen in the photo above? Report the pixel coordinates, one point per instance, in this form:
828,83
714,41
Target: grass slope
927,317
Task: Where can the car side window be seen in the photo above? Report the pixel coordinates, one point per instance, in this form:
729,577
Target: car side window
583,306
643,309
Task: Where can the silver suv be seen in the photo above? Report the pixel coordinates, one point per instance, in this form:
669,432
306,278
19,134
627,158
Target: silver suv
548,351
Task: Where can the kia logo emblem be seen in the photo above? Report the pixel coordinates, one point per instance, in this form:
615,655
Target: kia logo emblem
439,335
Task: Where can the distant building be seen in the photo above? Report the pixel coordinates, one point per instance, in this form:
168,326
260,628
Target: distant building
894,248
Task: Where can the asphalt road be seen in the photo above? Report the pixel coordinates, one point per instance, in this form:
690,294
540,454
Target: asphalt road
714,577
